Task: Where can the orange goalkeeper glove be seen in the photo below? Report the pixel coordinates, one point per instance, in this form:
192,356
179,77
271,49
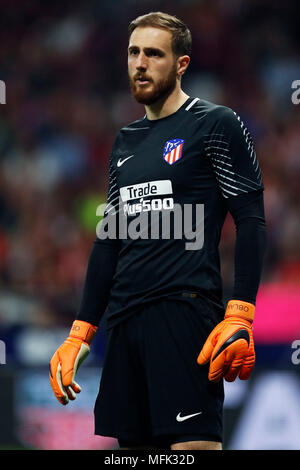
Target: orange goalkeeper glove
66,360
230,347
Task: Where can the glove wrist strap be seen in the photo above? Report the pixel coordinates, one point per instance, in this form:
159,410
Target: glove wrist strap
83,331
241,309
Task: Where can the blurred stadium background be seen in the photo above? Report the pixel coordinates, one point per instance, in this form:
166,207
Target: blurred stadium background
64,66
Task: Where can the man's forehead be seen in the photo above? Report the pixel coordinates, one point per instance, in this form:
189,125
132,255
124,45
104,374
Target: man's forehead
148,36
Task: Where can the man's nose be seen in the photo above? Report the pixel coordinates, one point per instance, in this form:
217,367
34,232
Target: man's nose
141,62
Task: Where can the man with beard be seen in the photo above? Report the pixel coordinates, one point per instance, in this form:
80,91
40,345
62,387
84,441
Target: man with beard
170,340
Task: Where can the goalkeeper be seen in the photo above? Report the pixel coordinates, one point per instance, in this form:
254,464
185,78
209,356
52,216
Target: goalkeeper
170,340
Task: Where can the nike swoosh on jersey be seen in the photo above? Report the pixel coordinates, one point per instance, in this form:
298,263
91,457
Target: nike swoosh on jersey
180,418
120,162
240,334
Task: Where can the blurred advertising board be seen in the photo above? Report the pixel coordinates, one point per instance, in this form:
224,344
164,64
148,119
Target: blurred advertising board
259,414
263,413
43,423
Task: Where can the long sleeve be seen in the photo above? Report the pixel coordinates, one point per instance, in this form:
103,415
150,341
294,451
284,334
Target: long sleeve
235,164
100,271
248,214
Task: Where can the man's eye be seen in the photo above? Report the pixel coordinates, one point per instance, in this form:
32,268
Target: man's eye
133,52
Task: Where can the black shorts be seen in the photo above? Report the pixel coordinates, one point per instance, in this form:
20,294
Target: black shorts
152,390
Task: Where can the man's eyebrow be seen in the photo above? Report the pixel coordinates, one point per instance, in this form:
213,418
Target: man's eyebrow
147,49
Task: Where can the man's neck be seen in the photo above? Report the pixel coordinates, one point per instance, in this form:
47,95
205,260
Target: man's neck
166,107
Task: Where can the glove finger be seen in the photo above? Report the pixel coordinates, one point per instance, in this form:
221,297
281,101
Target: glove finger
245,372
249,362
231,375
70,392
233,372
247,367
235,357
207,349
204,354
63,394
218,367
56,382
76,387
227,363
73,356
68,354
221,359
209,345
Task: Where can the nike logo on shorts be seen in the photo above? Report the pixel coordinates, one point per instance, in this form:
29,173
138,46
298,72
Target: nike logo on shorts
180,418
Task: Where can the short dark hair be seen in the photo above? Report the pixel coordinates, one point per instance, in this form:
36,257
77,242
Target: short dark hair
181,35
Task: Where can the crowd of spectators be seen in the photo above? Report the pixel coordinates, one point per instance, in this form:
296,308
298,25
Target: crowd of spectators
64,66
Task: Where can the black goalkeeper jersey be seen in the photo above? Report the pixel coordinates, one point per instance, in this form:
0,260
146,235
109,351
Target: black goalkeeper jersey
170,182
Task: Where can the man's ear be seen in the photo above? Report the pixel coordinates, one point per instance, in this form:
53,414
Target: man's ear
182,64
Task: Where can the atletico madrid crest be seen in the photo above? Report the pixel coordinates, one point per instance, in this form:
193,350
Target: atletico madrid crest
173,150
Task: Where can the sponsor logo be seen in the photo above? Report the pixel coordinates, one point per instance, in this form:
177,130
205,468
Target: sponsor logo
149,188
148,211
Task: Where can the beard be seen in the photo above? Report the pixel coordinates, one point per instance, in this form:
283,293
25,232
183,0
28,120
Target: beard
153,92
